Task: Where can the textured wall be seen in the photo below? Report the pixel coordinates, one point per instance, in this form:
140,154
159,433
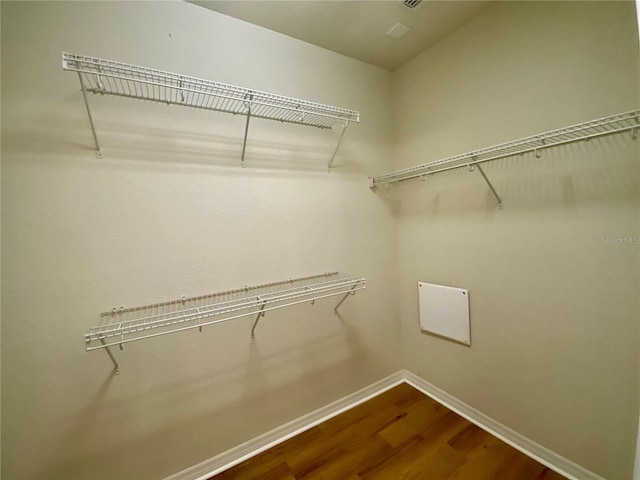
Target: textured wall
554,307
169,212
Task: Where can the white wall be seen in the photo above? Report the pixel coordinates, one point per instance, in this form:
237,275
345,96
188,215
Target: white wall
554,308
169,212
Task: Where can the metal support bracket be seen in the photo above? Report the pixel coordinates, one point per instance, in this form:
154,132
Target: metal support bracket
121,337
93,127
116,367
255,323
351,292
493,190
538,152
335,151
246,130
199,326
634,130
181,91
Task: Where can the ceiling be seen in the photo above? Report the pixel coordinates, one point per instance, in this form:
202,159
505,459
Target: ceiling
355,28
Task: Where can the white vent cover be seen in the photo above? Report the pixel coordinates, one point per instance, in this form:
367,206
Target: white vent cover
444,311
398,30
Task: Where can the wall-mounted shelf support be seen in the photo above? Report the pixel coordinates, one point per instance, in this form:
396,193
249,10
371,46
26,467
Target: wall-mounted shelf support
93,127
346,295
629,121
255,323
493,190
116,367
335,150
246,130
106,77
124,325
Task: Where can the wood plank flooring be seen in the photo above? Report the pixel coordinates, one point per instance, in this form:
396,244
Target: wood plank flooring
400,434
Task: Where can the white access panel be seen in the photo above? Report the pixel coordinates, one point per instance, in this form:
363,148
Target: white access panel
444,311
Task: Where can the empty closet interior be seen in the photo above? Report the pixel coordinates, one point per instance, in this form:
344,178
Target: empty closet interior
211,229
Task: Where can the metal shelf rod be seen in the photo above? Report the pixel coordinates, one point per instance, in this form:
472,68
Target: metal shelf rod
218,308
255,323
335,150
505,155
106,77
211,94
493,190
116,367
246,131
93,127
349,115
346,295
222,110
120,330
213,322
585,131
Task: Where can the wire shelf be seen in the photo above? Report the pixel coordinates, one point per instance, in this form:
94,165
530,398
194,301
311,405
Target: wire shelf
628,121
125,325
107,77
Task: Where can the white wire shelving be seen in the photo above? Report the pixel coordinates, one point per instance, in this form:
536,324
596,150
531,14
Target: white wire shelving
623,122
125,325
108,77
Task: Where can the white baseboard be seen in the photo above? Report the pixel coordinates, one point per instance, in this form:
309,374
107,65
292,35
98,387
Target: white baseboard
259,444
278,435
534,450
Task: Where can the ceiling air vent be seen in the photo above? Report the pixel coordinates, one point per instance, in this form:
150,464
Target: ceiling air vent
411,4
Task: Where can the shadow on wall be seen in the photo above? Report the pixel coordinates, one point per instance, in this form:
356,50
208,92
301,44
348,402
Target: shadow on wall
200,436
179,146
267,145
604,169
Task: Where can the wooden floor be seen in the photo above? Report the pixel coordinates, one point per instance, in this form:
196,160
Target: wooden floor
400,434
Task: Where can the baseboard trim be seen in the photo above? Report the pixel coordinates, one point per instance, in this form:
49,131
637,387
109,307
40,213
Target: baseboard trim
527,446
257,445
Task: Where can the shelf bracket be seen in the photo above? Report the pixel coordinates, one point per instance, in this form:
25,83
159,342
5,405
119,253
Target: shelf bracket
197,311
246,130
493,190
255,323
93,127
538,152
335,151
351,292
116,367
